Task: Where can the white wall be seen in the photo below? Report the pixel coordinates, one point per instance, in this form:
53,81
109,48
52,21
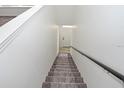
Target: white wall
12,11
100,33
26,61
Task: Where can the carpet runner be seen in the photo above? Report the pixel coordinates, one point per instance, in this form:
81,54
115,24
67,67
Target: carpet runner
64,74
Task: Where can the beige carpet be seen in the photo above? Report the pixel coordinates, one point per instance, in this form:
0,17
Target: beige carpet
5,19
64,73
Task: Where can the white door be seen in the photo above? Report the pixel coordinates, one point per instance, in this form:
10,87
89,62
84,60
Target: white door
65,37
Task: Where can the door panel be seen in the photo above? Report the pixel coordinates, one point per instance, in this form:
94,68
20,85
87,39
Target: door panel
65,37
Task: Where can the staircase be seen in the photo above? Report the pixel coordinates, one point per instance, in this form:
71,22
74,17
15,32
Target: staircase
64,74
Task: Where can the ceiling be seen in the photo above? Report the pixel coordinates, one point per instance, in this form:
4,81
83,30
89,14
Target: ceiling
65,14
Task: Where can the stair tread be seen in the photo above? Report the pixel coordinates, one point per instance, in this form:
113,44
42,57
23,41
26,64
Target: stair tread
64,74
64,79
65,70
59,66
64,61
64,64
63,85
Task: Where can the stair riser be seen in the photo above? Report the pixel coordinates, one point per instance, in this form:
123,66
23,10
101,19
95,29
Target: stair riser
65,70
64,58
55,85
70,59
64,80
64,64
71,63
64,74
59,66
66,61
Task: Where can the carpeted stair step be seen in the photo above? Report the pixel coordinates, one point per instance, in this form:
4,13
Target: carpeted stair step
69,57
63,85
62,58
64,79
64,66
64,69
75,74
64,63
70,60
64,74
71,63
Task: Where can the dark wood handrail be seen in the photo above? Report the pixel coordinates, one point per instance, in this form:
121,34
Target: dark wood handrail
112,71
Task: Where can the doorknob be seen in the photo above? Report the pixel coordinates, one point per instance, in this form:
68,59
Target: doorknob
63,38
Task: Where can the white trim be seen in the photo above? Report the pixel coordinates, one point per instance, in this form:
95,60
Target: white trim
16,6
9,30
